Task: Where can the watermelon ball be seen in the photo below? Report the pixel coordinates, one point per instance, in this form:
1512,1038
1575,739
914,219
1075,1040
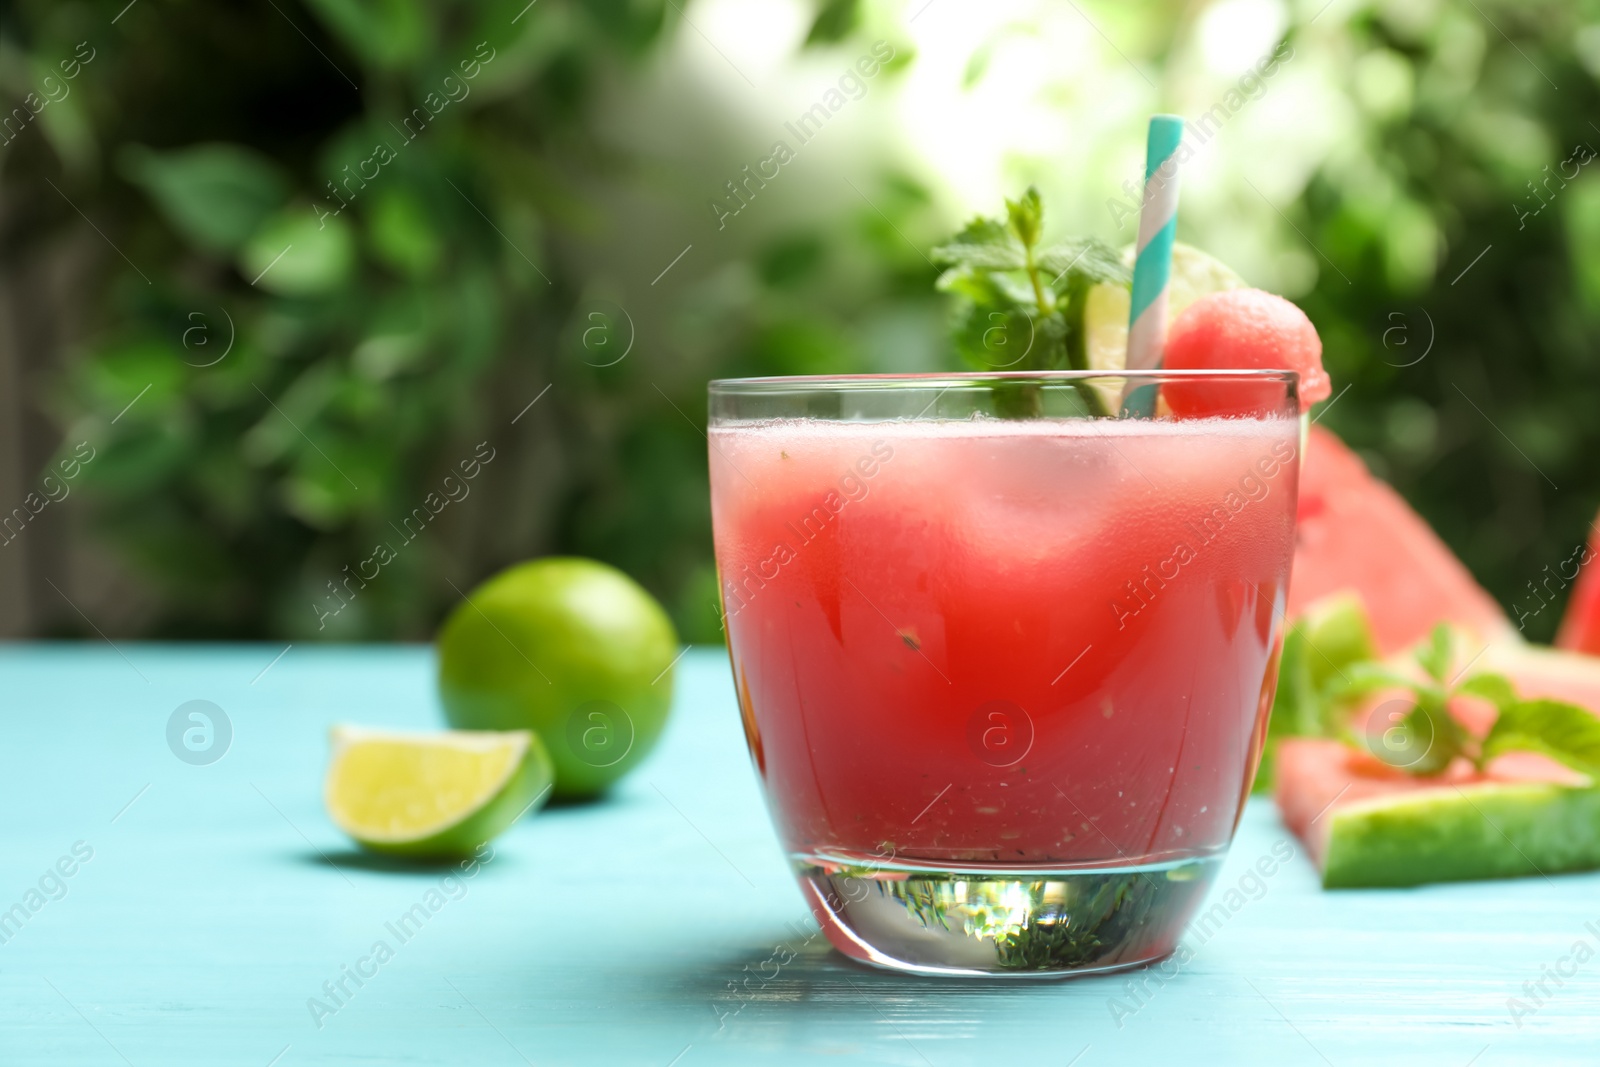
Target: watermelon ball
1242,329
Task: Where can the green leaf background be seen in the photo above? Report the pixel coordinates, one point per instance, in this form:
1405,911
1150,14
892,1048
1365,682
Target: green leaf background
459,283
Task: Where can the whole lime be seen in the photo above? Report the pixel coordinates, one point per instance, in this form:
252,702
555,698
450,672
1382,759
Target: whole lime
572,649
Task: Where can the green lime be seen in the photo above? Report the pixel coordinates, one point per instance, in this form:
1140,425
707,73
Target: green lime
432,794
572,649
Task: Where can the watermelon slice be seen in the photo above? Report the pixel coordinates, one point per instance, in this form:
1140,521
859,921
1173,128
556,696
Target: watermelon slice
1580,626
1368,824
1356,533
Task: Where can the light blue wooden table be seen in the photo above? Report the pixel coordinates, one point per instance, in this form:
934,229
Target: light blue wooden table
218,900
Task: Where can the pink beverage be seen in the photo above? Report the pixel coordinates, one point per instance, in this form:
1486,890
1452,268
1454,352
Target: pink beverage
1004,676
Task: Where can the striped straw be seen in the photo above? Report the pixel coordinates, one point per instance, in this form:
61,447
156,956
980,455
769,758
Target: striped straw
1158,221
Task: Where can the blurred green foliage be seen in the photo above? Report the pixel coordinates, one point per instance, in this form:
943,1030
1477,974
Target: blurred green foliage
388,207
1466,115
366,204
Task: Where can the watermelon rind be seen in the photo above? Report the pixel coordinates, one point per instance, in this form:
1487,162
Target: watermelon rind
1461,833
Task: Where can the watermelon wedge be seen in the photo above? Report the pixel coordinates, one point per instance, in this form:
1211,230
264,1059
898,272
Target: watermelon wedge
1366,822
1580,626
1356,533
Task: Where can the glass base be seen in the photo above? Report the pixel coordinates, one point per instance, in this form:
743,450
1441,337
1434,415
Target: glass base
999,921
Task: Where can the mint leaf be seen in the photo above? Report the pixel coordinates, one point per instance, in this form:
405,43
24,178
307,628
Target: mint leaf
1562,731
1414,733
996,335
1294,706
1495,688
1368,677
1026,217
996,289
1340,635
985,244
1435,656
1426,741
1085,258
1073,269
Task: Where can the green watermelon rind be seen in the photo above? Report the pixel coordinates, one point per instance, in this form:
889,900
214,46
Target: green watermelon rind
1463,833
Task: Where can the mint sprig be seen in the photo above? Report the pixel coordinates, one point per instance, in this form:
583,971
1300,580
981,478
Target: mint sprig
1019,304
1330,668
1422,739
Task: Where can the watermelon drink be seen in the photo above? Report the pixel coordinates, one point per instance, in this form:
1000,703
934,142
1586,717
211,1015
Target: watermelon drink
1004,679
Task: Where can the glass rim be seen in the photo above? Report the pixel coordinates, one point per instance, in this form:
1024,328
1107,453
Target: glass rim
951,379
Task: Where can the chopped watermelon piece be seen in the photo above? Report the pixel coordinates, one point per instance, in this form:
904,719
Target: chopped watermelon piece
1366,815
1580,626
1356,533
1241,329
1368,824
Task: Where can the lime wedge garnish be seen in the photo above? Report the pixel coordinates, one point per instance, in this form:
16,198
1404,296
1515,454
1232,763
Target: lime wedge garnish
433,794
1105,313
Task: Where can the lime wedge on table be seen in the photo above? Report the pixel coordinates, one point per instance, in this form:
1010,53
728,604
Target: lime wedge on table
433,794
1105,313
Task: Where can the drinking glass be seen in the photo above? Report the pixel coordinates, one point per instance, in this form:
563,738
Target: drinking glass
1004,650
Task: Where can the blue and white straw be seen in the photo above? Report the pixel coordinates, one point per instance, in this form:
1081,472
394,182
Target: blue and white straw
1152,269
1158,220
